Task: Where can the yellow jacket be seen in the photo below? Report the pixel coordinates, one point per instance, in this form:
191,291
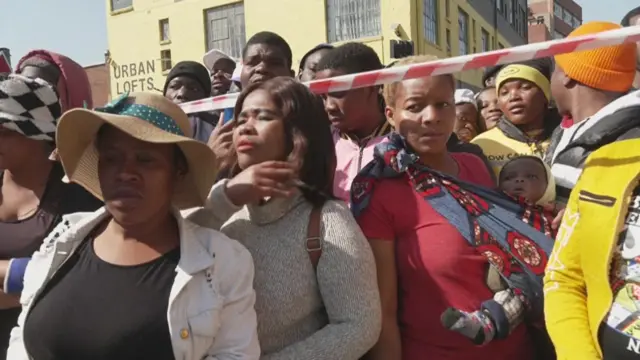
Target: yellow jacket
500,148
580,261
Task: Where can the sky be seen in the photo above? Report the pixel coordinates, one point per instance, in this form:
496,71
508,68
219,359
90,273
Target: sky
78,28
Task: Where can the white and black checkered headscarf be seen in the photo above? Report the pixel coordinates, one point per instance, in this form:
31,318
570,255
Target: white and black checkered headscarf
30,107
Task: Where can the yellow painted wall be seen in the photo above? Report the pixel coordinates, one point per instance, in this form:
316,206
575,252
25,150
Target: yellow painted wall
134,35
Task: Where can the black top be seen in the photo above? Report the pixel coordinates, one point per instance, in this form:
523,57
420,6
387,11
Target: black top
616,345
23,237
95,310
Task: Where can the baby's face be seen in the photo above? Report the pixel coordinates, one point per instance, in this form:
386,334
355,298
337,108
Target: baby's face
466,125
524,178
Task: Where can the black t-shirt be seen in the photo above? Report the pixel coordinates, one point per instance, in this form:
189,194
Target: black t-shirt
95,310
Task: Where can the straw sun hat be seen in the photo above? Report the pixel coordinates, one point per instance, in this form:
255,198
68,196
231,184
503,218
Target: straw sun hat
147,117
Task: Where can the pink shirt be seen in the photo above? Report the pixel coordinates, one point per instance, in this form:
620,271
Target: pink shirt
351,157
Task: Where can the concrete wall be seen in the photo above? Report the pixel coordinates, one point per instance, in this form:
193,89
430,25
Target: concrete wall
539,33
545,8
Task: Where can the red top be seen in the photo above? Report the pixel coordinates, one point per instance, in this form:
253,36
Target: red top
437,269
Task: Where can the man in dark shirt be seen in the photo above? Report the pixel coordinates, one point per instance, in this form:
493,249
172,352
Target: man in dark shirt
189,81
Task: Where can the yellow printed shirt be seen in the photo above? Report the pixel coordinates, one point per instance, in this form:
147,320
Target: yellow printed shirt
620,333
500,148
578,291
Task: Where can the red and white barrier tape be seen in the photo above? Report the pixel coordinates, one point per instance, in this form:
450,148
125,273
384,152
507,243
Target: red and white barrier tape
444,66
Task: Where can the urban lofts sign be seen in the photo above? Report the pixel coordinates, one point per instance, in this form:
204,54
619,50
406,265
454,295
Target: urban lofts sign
134,77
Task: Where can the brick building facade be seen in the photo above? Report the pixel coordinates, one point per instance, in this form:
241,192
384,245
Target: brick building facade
552,19
99,80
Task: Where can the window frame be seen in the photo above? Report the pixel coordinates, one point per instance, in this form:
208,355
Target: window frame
233,37
161,27
463,32
430,17
365,17
485,41
558,10
128,4
164,66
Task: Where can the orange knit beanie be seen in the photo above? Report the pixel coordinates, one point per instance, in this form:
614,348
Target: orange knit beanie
611,68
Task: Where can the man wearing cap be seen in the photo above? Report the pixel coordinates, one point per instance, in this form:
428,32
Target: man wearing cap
591,281
592,87
189,81
221,66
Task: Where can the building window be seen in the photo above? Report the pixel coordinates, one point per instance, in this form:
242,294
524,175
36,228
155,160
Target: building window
520,20
485,40
576,22
448,39
557,10
430,20
558,35
165,60
120,4
463,32
567,17
164,30
509,12
352,19
447,8
499,5
225,29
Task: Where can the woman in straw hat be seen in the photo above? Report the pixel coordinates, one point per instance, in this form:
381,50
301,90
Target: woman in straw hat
316,293
31,187
135,280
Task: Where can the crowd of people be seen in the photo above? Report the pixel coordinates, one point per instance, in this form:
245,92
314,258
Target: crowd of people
409,221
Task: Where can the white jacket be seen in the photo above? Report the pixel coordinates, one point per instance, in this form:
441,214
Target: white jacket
211,312
566,175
